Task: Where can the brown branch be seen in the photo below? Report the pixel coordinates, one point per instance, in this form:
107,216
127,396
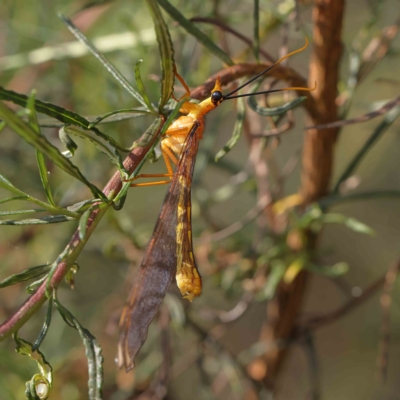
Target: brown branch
386,302
317,160
280,72
363,118
320,321
35,301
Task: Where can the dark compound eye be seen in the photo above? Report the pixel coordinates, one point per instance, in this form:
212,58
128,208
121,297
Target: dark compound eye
216,97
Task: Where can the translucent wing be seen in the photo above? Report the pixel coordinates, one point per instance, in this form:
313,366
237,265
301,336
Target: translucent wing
159,264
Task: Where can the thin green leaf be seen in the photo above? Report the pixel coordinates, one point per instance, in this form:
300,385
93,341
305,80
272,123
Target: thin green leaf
82,205
30,289
61,114
51,219
29,273
237,131
20,212
6,184
141,87
274,111
278,269
166,53
256,32
150,133
44,177
45,377
371,141
332,271
2,125
103,60
39,142
358,226
57,112
193,30
45,327
117,115
93,353
13,199
351,223
67,142
335,199
102,144
70,276
30,105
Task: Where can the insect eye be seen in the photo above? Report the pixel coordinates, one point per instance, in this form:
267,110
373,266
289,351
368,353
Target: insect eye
216,97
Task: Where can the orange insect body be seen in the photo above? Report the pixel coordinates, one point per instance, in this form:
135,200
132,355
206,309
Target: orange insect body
177,132
188,278
172,145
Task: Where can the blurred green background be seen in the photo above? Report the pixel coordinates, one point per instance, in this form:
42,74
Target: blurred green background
31,39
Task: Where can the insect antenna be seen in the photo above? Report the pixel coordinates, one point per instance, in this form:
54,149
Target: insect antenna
229,95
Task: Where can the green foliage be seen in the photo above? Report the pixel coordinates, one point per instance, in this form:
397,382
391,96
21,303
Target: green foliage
240,263
39,387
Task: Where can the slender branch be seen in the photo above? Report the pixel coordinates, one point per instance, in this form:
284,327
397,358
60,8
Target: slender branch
227,28
74,247
386,301
280,72
317,162
377,113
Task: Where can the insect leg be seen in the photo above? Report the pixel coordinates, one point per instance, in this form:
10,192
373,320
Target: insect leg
184,84
170,146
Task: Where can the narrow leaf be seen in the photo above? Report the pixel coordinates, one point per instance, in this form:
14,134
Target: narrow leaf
101,144
278,269
31,288
166,53
51,219
333,271
57,112
29,273
30,105
103,60
13,199
193,30
352,223
237,131
93,353
117,115
274,111
61,114
83,223
82,205
358,226
46,371
45,327
20,212
39,142
67,142
141,87
44,177
371,141
6,184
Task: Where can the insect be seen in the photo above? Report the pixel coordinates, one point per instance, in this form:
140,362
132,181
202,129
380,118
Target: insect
170,251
